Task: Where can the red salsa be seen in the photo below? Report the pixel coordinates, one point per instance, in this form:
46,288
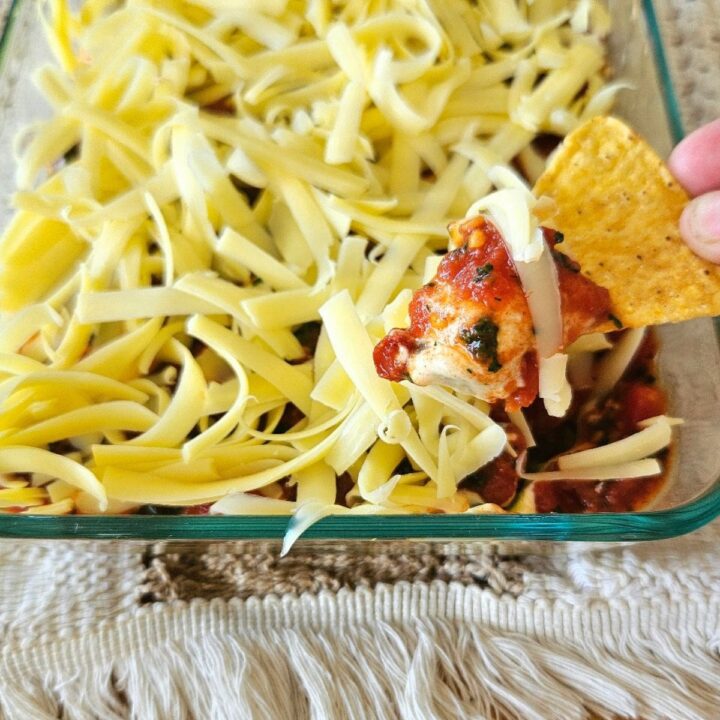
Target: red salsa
476,308
636,397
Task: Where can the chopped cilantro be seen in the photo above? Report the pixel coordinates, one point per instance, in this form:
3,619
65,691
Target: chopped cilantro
482,272
481,341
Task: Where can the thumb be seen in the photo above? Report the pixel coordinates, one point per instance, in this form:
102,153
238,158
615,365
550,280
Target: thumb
700,226
695,162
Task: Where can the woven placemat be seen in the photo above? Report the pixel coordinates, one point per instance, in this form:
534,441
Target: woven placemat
181,571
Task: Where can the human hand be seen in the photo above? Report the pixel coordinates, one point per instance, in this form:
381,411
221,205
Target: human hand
695,162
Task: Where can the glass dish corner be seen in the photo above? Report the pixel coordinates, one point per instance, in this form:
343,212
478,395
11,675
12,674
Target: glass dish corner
638,54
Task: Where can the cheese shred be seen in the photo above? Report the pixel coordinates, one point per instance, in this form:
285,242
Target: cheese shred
221,183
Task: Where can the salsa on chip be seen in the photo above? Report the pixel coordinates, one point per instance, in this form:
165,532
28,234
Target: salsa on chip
531,278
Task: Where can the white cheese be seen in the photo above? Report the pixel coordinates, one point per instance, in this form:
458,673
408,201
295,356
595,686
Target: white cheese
634,469
554,388
642,444
612,367
518,420
540,283
248,504
592,342
511,210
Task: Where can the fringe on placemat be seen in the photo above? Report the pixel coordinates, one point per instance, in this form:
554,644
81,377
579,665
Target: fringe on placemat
368,656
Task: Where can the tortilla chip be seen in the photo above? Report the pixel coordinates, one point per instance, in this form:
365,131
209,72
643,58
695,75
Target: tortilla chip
618,207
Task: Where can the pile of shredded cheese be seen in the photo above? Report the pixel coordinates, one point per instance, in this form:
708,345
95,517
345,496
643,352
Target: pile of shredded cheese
216,174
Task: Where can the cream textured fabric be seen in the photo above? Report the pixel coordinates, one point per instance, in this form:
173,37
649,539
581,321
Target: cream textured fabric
232,631
691,30
404,651
117,631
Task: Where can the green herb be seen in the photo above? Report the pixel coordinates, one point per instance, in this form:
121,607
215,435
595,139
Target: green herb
615,320
558,237
482,272
482,343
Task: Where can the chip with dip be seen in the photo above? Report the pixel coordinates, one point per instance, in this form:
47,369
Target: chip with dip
618,207
594,248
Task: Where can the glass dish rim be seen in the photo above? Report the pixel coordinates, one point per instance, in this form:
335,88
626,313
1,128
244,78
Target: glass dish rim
613,527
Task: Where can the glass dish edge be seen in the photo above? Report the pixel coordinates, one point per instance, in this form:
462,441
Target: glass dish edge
608,527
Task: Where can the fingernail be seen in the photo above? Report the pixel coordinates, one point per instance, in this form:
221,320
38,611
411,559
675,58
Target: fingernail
700,225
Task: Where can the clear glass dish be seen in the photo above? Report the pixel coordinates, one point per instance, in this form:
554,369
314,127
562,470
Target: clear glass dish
689,356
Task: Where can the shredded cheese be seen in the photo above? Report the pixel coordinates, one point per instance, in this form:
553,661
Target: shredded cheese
642,444
245,169
511,210
613,365
632,469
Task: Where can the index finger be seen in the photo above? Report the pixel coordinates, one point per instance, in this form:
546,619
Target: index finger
695,162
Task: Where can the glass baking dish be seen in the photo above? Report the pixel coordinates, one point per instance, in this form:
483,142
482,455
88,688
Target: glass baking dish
689,356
